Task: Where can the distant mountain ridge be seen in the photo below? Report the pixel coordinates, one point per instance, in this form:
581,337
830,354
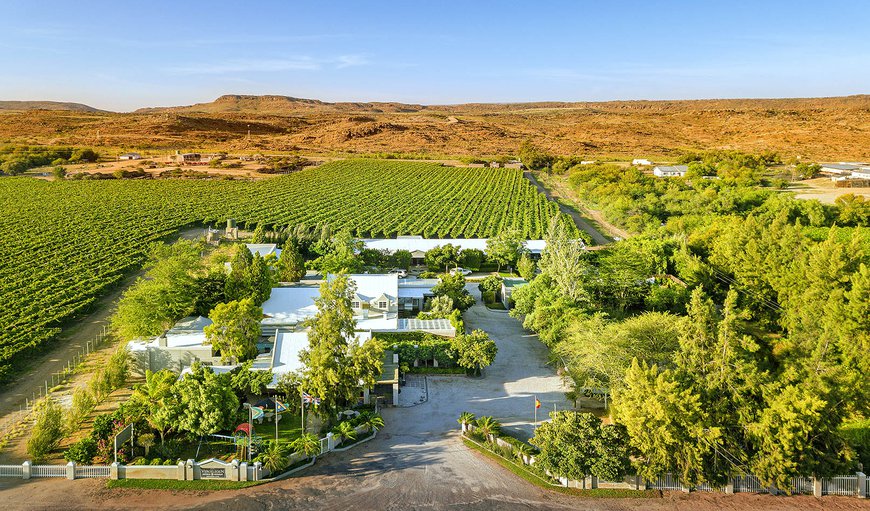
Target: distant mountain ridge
47,105
283,105
277,105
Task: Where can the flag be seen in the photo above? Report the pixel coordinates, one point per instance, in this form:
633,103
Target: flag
245,427
306,398
280,407
537,403
256,412
316,401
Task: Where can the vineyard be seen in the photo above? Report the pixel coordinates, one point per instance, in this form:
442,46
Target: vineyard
62,244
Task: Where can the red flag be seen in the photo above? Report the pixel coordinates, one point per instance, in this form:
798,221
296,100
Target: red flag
537,403
245,427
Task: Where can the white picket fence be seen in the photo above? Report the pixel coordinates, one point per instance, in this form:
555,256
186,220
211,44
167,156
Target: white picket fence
11,471
92,471
48,471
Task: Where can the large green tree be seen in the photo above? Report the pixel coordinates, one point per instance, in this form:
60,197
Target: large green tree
165,294
155,401
505,248
336,362
442,258
235,330
291,264
474,351
575,445
206,401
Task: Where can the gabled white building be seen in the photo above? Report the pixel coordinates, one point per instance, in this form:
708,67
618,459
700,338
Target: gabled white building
264,249
670,170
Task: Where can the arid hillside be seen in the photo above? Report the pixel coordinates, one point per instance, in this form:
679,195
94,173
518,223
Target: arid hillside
46,105
817,128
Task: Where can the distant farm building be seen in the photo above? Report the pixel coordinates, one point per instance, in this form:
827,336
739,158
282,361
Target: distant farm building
508,286
839,169
641,161
861,173
130,156
670,170
418,245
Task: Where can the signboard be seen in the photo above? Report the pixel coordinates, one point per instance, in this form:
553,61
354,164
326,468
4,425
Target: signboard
124,435
213,473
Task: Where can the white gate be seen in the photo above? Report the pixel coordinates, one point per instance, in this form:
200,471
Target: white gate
48,471
92,471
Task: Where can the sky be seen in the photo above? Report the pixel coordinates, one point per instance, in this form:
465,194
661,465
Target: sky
123,55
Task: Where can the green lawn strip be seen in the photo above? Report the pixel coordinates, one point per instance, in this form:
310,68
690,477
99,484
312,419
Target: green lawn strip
495,306
537,480
170,484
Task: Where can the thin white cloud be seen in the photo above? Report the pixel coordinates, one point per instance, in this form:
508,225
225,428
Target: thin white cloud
302,63
247,66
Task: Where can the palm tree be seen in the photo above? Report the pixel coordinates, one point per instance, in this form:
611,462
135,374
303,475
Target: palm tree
465,418
373,421
274,456
523,452
307,444
346,430
487,426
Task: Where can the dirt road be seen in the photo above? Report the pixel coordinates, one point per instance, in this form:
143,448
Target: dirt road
593,220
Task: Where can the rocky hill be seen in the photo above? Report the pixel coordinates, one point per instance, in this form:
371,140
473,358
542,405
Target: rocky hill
826,129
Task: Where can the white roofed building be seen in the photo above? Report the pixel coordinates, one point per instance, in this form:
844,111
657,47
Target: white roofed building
670,170
264,249
418,245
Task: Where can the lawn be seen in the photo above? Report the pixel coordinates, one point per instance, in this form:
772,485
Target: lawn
171,484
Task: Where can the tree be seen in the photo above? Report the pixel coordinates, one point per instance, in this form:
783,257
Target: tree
372,421
487,426
442,258
346,430
526,267
465,418
206,402
565,261
471,258
534,157
156,402
475,350
505,247
211,289
238,284
259,235
440,306
667,425
146,441
274,456
452,285
291,265
598,352
306,443
339,255
59,173
401,259
235,330
575,445
260,280
47,430
249,382
336,363
166,293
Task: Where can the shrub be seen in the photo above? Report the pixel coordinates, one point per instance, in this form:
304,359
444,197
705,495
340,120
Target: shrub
82,452
47,430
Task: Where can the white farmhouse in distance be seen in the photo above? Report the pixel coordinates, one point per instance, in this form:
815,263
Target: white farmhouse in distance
130,156
670,170
641,161
861,173
838,168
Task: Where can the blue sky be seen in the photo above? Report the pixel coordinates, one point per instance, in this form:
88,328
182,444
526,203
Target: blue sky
122,55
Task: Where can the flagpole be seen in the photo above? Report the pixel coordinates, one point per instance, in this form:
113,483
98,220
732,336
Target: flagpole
250,430
302,407
536,412
276,422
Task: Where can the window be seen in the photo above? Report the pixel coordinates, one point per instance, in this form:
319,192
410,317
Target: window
382,305
355,305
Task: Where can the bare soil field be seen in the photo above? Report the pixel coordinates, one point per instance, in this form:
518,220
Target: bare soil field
823,190
826,129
